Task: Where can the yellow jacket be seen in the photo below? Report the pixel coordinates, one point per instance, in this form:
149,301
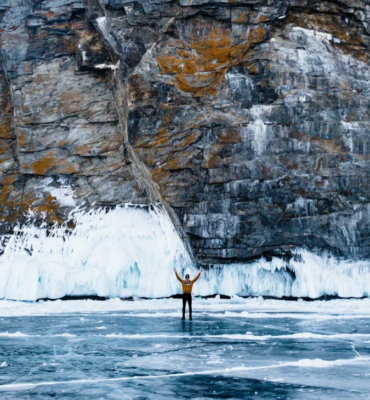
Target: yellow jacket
187,287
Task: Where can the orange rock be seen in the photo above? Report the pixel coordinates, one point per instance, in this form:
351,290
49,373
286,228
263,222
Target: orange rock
201,69
52,163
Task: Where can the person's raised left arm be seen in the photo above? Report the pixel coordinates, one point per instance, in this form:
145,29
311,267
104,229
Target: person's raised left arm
197,277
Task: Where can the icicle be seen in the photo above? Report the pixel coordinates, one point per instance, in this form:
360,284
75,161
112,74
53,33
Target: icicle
122,252
131,251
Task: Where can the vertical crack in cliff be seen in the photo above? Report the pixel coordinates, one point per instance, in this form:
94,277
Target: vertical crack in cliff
11,92
118,80
140,170
15,139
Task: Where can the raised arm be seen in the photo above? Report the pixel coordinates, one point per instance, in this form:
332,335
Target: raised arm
197,277
177,276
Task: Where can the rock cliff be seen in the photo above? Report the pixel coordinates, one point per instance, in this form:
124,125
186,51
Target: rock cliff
248,120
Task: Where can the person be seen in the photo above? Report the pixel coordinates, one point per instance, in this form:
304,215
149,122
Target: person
187,286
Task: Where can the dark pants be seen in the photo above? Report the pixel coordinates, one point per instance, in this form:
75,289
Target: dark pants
186,297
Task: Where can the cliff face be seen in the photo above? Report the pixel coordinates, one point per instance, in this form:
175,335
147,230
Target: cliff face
248,120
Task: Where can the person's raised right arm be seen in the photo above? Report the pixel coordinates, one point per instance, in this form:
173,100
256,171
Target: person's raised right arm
178,277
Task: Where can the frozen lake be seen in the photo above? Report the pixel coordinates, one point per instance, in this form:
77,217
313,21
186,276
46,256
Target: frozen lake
233,349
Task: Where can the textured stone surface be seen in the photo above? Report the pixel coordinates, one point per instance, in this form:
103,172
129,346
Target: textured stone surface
260,141
248,120
69,148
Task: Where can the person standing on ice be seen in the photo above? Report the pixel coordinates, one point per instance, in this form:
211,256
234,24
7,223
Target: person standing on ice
187,286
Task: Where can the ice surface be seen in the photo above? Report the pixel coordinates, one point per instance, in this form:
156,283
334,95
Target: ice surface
65,356
131,251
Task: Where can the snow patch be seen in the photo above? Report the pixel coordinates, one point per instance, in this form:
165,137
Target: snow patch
102,24
16,334
247,336
113,67
255,315
64,196
65,335
63,193
302,335
310,32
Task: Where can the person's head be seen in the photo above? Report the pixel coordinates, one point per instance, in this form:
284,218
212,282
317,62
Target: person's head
187,276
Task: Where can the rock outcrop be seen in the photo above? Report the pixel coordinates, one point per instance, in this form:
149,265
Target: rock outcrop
63,147
248,120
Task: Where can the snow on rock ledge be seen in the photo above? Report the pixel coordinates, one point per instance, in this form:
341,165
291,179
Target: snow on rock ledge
129,251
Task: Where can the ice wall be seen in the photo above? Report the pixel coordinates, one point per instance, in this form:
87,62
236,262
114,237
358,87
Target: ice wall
130,251
125,251
306,275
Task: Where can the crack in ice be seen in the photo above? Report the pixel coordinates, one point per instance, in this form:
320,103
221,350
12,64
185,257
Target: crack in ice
304,363
89,379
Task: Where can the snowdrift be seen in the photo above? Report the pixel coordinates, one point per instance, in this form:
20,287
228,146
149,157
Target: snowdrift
131,251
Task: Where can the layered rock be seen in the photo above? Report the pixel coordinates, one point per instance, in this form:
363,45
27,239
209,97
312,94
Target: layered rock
248,120
69,147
